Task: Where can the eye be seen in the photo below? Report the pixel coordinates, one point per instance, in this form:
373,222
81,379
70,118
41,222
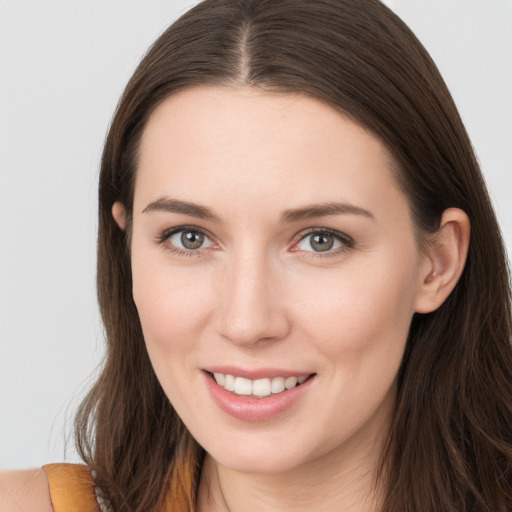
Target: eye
186,240
324,241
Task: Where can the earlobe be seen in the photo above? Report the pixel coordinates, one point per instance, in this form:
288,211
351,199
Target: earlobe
119,214
446,257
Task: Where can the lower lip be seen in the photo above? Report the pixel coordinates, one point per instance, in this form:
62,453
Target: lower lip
247,408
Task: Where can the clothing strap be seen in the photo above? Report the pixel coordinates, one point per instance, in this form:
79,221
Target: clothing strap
71,488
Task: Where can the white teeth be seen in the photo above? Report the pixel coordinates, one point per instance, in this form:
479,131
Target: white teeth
243,386
261,387
278,385
290,382
229,382
258,387
219,378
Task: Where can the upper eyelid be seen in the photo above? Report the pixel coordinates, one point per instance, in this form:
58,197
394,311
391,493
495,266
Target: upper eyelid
334,232
166,233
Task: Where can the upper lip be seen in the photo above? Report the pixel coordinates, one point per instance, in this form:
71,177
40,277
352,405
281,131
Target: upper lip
256,373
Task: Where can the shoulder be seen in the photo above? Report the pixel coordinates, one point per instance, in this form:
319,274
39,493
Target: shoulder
24,491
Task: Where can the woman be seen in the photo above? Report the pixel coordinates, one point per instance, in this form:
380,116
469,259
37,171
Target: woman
297,315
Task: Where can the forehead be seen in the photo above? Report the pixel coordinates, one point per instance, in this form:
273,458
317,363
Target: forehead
210,143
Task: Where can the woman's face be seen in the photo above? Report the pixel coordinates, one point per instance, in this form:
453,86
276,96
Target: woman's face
271,245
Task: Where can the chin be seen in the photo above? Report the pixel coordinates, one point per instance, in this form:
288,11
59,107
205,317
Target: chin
260,456
256,463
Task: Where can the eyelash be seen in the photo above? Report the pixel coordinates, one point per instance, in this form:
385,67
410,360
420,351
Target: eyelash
346,241
163,239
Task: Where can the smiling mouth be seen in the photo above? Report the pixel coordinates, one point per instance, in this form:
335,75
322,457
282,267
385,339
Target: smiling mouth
259,388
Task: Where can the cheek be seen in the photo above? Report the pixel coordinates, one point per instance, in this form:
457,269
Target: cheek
169,310
172,304
360,310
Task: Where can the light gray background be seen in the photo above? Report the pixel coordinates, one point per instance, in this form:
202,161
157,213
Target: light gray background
63,65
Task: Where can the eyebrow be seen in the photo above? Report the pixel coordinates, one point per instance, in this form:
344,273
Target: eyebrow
308,212
169,205
314,211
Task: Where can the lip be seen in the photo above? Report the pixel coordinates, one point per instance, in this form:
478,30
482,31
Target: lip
246,408
253,374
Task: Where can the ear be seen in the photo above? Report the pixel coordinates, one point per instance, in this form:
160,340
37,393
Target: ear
444,261
119,214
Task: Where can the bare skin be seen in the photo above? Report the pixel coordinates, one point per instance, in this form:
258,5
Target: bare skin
24,491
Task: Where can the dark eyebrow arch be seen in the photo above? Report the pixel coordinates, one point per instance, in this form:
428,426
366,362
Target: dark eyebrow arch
169,205
314,211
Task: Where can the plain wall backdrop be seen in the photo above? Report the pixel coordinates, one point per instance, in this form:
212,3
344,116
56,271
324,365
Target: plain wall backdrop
63,65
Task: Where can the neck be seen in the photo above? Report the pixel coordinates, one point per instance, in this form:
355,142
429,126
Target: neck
343,480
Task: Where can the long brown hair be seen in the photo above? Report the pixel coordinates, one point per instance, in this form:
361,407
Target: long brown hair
450,443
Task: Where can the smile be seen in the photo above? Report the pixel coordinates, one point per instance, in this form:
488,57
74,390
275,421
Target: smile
258,388
257,395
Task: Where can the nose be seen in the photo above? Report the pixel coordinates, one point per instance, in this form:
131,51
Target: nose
251,304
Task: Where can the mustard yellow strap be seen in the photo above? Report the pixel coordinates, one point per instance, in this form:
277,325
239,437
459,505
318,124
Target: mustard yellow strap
71,488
